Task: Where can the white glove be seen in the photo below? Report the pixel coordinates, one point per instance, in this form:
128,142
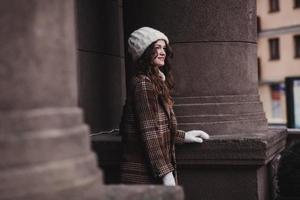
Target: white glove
168,179
195,136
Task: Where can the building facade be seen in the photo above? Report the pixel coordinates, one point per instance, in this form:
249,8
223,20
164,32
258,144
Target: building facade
278,53
62,78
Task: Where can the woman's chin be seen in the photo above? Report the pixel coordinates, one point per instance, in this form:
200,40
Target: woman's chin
161,64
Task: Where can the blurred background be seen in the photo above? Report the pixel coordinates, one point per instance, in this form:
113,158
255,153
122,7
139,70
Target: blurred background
278,26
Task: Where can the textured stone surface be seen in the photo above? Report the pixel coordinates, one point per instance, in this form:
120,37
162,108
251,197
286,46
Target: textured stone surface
215,69
214,65
219,80
78,192
98,26
216,99
210,183
49,177
242,149
143,192
231,114
195,20
288,172
218,108
101,95
216,90
33,42
235,166
108,150
245,126
223,167
44,144
101,62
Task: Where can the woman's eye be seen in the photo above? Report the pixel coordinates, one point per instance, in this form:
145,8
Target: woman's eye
164,48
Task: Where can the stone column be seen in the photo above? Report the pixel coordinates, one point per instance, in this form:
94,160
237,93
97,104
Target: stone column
44,144
216,91
101,68
215,61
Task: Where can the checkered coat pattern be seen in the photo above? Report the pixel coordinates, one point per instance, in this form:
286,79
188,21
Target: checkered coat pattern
149,133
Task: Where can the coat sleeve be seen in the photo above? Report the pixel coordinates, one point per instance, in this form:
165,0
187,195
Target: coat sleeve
179,136
146,108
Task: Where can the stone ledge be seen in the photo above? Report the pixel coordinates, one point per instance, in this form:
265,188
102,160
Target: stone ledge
142,192
237,149
287,198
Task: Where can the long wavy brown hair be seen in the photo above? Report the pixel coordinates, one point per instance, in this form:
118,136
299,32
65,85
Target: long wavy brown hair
145,66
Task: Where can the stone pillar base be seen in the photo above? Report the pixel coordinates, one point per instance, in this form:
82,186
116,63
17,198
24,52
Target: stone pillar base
224,167
230,166
142,192
45,154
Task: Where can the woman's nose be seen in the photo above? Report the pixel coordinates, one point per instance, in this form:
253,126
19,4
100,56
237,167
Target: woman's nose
162,52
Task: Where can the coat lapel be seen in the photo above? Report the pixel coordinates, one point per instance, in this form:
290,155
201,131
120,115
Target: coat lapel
165,106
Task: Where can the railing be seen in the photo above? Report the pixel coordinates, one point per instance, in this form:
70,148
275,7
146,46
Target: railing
293,136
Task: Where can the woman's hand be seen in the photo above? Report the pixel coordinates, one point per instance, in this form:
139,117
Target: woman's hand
195,136
168,179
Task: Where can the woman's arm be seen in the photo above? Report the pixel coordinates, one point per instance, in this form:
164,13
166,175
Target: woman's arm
146,109
179,136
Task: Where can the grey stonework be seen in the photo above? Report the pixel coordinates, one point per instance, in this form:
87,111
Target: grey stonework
45,146
45,149
224,167
101,70
214,62
215,69
143,192
44,141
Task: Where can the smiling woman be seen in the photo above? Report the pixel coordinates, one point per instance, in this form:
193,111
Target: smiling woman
160,50
148,126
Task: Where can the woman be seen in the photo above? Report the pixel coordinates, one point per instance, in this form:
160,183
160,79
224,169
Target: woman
148,126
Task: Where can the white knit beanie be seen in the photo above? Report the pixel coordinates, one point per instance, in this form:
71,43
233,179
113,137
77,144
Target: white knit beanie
141,38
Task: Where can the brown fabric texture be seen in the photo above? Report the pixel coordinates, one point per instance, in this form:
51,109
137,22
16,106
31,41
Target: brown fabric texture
149,133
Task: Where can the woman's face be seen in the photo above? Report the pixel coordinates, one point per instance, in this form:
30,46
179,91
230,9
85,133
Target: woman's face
160,53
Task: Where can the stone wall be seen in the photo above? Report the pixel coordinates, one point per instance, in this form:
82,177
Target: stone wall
101,70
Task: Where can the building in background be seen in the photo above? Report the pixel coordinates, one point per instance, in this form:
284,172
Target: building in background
72,81
278,53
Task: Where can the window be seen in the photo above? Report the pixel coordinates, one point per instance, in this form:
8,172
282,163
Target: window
259,69
274,5
297,45
258,24
274,49
296,3
277,104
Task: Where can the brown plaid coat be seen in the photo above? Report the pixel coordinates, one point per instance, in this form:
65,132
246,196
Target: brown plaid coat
149,133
